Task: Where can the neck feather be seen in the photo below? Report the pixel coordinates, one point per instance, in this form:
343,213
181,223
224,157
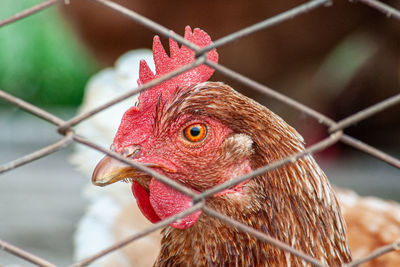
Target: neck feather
304,217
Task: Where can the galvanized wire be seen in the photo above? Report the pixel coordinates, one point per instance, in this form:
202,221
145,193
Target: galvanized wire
334,129
29,12
389,11
24,254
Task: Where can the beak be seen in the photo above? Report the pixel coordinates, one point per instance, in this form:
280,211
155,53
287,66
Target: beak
110,170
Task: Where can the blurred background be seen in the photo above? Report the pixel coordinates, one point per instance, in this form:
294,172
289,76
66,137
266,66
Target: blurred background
338,60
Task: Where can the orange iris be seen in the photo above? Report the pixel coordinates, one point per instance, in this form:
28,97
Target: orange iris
195,132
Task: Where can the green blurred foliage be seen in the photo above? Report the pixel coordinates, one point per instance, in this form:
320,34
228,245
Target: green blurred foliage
41,61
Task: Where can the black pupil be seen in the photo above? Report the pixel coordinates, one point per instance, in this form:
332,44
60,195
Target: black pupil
195,131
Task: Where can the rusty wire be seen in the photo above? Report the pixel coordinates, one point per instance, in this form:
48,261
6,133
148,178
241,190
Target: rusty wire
334,129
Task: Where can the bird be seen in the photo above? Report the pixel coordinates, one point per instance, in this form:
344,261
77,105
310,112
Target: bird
114,215
201,134
108,217
371,223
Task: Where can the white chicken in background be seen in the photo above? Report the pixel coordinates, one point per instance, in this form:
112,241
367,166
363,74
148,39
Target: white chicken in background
114,205
113,214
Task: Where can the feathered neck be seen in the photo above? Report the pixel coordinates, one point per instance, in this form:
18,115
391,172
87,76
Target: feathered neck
294,204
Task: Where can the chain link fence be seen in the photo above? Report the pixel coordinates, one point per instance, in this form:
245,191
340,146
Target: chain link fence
334,128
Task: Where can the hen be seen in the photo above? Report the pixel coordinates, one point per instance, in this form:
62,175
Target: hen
371,223
202,134
125,216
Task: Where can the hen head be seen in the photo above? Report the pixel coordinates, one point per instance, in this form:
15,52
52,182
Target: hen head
201,134
190,147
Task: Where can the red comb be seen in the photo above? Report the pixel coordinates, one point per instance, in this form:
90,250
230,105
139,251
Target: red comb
136,123
178,58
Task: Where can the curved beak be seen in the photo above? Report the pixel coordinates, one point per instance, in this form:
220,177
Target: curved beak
110,170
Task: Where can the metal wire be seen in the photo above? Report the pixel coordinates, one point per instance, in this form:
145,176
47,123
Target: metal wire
321,145
334,129
389,11
136,236
262,236
378,252
24,254
301,9
29,11
147,85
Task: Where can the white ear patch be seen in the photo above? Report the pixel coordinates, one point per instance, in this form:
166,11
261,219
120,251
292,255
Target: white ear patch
243,140
237,147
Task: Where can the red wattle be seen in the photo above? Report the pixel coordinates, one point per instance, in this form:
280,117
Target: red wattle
142,199
167,202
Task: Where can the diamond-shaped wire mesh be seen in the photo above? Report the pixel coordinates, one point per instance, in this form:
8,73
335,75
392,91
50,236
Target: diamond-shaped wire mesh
334,128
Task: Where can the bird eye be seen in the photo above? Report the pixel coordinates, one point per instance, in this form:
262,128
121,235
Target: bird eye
195,132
